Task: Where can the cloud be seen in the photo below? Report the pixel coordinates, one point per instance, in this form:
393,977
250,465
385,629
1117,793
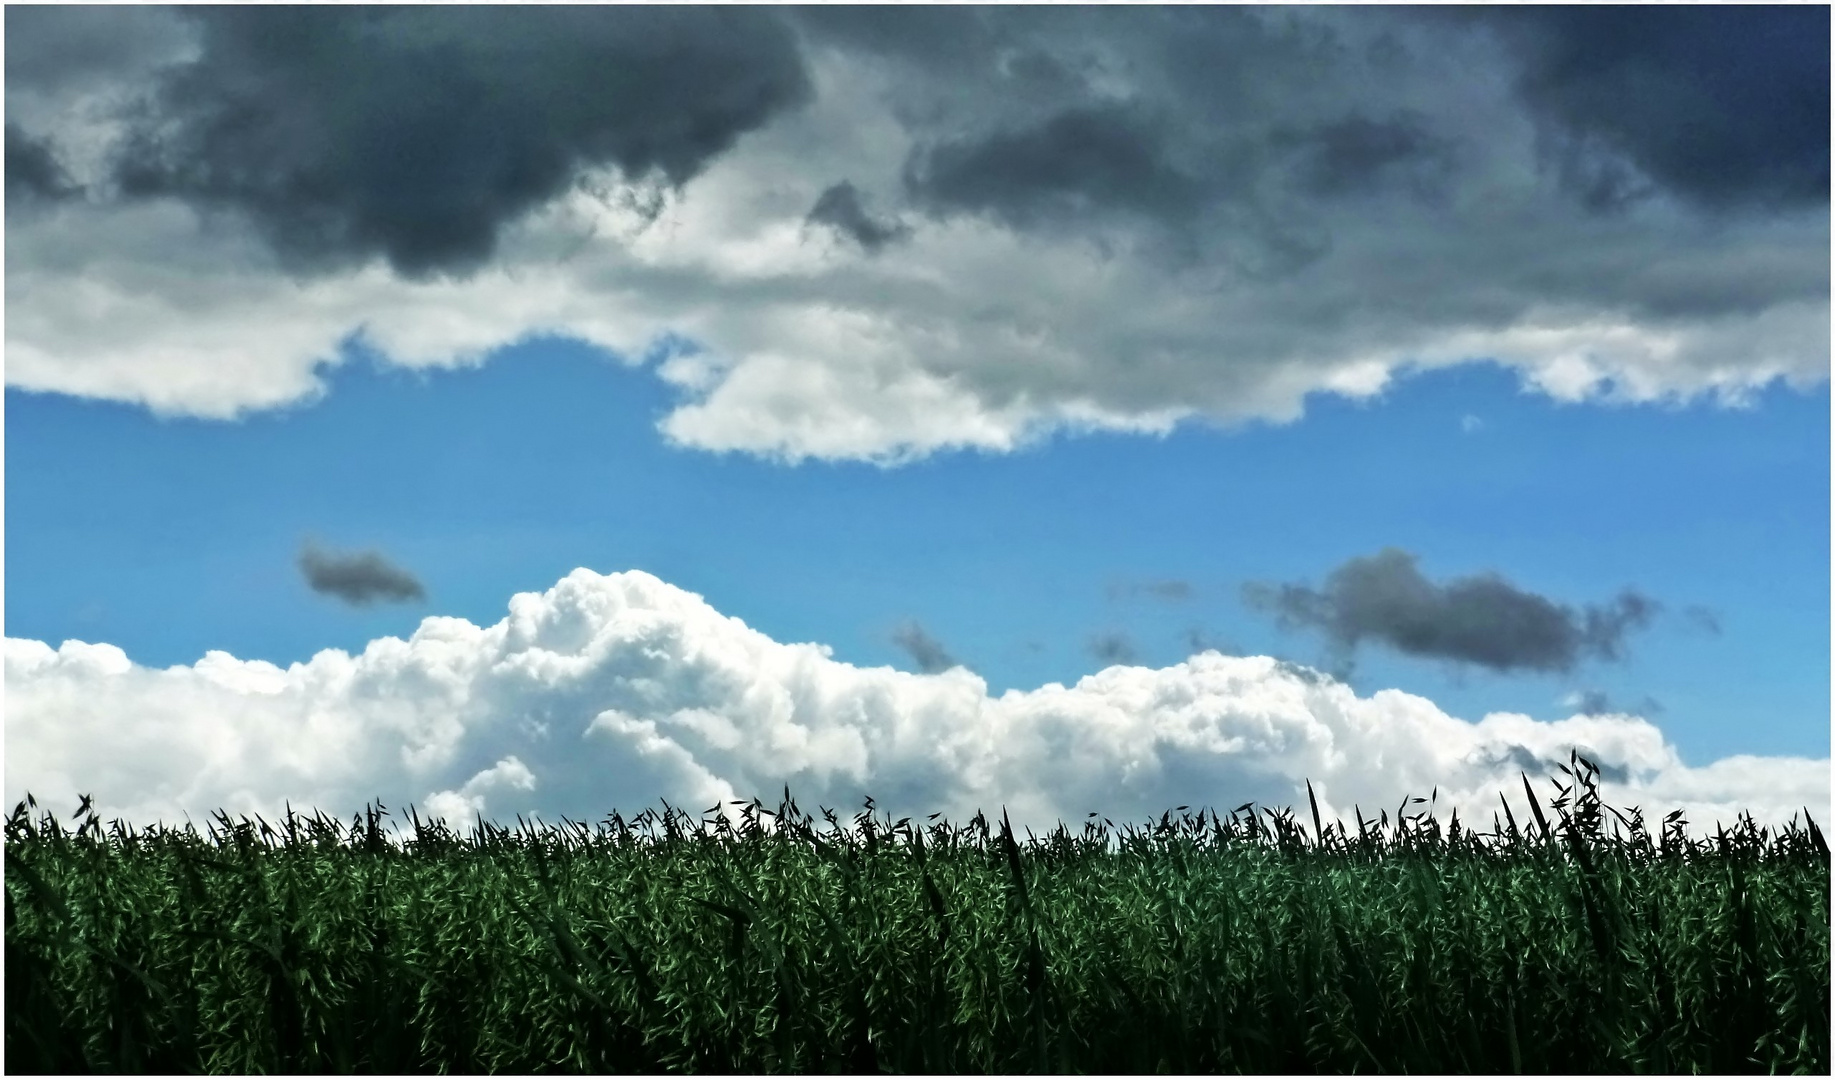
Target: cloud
1168,589
1482,619
358,578
1082,161
33,171
1599,703
1720,105
1093,219
1702,618
927,652
73,47
1357,155
1197,639
613,691
1592,702
1113,647
417,134
839,208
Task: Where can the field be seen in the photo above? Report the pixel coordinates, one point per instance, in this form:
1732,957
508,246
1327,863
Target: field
1200,943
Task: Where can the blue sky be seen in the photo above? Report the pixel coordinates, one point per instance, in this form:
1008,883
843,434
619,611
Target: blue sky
1053,353
173,537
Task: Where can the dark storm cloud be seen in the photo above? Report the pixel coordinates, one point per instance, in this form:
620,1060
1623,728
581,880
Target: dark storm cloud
33,171
1029,133
925,651
1113,647
933,36
54,46
358,578
1481,620
839,208
1081,161
1355,155
1723,104
417,133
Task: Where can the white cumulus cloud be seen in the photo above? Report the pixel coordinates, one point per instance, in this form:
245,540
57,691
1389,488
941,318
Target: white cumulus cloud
614,691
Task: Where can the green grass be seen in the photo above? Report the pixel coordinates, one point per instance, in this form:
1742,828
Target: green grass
1200,943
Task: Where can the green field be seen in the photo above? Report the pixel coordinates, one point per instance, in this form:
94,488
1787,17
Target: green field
1200,943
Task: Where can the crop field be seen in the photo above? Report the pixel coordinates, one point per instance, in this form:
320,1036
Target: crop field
1252,942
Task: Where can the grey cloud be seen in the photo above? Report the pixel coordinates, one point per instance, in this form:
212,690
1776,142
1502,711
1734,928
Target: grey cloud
1355,155
1220,136
1082,162
358,578
33,171
1703,618
1594,702
418,133
1603,628
1539,767
931,35
925,651
1599,703
1520,757
1169,589
1110,212
1197,640
1113,647
1611,771
1722,104
52,47
1482,620
1309,675
840,209
963,50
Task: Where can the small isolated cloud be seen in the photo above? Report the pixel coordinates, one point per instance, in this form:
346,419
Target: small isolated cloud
1168,589
1482,619
1600,703
359,578
840,209
1197,640
1702,618
925,651
614,691
1113,647
1591,702
1469,423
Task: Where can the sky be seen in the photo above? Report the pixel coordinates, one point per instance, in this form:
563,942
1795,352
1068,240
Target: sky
552,411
